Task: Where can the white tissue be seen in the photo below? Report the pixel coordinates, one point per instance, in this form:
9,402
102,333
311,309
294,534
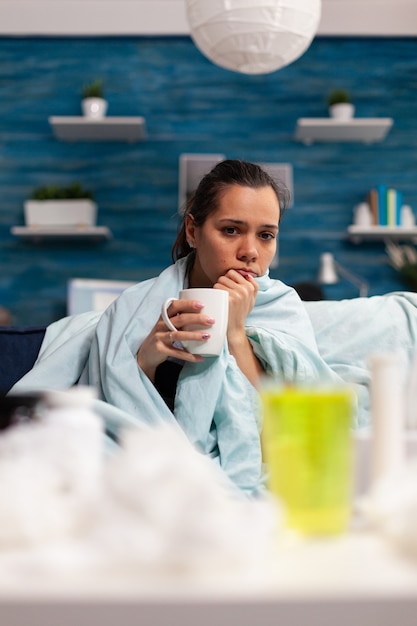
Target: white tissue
391,508
49,472
176,510
156,506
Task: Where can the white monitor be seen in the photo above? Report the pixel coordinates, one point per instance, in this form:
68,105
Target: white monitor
192,168
85,294
281,172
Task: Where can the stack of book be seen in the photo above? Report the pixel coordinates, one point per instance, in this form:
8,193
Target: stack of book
385,204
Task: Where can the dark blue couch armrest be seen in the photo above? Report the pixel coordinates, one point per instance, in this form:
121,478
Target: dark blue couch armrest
19,348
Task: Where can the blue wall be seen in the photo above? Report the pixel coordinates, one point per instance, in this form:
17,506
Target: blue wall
193,106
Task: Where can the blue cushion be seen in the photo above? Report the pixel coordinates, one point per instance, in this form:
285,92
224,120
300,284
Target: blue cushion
19,349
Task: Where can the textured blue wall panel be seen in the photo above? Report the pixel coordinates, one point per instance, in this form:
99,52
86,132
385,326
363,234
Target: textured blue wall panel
190,105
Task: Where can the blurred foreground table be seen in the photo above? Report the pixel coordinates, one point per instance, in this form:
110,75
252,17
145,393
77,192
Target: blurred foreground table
353,580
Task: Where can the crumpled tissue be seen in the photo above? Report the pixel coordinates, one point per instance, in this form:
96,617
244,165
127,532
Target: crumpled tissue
391,508
50,471
154,506
176,509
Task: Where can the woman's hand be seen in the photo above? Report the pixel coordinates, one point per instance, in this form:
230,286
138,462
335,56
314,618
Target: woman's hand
242,295
159,344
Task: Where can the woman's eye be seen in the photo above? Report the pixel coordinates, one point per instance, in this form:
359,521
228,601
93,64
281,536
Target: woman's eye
230,230
267,236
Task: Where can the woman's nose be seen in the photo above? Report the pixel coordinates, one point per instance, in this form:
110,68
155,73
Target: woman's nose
248,249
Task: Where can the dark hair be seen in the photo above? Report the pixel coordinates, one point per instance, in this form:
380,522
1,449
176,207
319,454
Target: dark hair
207,196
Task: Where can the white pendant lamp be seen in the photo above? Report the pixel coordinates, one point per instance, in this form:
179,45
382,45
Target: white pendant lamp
253,36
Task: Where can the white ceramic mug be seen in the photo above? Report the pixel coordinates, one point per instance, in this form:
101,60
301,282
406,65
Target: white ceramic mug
216,305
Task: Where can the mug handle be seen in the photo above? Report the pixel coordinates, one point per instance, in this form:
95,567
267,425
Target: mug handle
164,313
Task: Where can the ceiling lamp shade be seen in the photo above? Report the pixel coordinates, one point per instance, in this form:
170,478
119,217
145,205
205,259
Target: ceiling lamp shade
253,36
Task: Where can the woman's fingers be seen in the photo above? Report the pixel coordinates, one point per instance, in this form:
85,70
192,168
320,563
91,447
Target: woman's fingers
186,313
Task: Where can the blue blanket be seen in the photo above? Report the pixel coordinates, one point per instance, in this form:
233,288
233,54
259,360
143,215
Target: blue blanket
215,407
348,332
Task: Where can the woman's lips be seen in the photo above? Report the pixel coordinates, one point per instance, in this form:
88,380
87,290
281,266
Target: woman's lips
246,273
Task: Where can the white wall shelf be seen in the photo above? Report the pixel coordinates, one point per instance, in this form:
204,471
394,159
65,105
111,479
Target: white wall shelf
366,130
90,234
357,234
81,128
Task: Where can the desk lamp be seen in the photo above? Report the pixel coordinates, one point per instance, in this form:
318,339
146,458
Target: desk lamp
330,270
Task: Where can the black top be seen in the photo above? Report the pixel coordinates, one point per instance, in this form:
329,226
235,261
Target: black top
166,378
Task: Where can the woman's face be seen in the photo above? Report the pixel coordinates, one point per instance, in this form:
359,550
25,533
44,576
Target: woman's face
240,234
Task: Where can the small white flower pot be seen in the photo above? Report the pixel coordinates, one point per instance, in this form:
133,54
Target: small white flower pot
362,215
71,213
342,111
94,107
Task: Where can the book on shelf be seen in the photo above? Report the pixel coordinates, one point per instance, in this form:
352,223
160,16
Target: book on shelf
382,192
385,204
373,203
394,204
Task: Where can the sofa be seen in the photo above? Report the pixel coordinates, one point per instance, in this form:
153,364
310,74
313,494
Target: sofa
19,348
346,332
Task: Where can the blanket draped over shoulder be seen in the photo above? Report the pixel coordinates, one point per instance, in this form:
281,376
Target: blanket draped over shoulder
216,407
349,332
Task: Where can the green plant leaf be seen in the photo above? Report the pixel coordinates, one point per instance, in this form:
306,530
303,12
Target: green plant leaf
338,96
93,89
408,274
61,192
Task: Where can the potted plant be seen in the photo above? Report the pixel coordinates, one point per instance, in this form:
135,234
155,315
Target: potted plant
93,103
403,258
60,206
340,106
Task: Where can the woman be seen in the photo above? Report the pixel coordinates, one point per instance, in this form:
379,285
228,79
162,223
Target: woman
228,236
227,241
